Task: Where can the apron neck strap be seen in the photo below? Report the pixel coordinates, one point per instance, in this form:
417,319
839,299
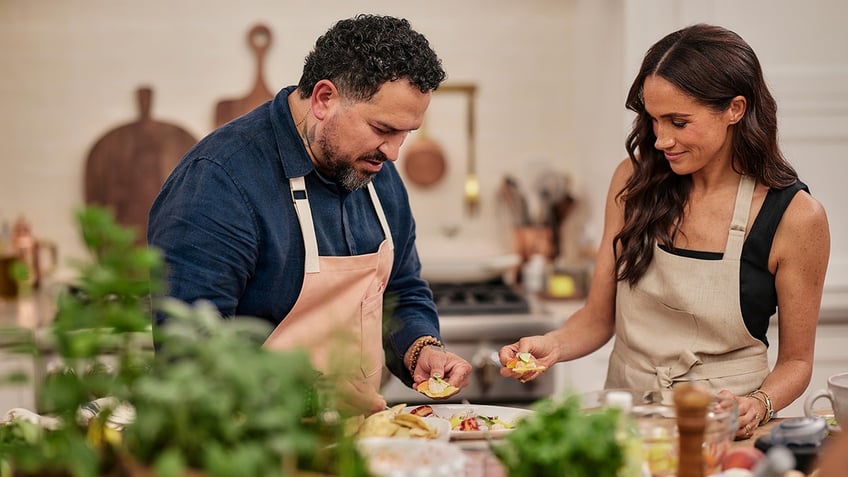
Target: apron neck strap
741,210
307,228
304,214
378,207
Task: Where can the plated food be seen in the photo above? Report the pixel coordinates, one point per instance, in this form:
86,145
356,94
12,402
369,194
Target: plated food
393,422
436,387
469,421
523,363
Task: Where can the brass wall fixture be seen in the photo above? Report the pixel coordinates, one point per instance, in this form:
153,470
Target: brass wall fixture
471,186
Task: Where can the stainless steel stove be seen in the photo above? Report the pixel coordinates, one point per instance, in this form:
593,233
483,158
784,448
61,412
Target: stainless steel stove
477,319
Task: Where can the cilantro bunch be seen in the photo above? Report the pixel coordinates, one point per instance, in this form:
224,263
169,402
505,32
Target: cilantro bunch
561,439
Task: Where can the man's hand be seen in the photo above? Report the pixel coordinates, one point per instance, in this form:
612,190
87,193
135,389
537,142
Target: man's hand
357,397
436,361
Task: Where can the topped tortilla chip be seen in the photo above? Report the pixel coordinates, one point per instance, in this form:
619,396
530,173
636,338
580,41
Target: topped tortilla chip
436,387
523,363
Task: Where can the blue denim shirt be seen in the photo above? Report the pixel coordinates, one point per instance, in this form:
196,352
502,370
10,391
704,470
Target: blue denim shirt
229,233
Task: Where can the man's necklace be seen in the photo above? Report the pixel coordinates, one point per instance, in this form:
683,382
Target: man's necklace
303,120
305,133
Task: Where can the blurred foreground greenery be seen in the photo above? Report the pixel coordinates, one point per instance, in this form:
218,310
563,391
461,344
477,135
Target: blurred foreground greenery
210,399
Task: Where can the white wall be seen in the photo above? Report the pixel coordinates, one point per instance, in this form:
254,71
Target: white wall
71,68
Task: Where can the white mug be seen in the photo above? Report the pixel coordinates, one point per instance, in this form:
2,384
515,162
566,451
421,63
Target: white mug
836,393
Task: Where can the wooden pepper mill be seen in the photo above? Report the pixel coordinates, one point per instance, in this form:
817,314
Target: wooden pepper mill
691,406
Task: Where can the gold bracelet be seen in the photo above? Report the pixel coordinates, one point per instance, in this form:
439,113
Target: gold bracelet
764,398
418,346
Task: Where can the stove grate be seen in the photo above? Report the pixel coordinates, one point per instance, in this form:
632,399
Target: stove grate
478,299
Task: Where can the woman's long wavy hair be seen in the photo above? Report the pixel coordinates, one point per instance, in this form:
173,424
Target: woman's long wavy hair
712,65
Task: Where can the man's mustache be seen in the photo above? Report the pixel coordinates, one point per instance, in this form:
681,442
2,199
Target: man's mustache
374,156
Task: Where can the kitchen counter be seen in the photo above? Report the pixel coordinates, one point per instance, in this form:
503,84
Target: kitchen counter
482,463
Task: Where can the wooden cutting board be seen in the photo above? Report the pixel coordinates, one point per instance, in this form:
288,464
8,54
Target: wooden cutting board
259,39
127,166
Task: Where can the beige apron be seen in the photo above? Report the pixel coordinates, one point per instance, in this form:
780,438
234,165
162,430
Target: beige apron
338,316
682,322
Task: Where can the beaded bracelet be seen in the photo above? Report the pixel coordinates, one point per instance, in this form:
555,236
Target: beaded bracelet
418,346
764,398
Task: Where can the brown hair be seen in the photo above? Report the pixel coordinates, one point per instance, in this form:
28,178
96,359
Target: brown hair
712,65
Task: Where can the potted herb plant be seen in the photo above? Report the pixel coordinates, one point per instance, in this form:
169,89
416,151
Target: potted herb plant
211,401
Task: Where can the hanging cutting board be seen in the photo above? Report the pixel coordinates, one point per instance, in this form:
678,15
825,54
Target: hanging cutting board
128,165
259,39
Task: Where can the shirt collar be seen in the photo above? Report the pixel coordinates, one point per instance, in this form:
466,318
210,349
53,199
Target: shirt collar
293,156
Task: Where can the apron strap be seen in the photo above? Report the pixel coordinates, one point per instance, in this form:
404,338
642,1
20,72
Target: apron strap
741,210
378,207
307,228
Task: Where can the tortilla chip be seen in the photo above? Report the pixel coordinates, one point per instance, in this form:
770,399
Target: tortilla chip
389,423
435,382
523,363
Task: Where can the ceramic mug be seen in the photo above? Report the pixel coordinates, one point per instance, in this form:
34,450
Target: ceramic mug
836,393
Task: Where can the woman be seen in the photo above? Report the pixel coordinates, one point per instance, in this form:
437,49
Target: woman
707,232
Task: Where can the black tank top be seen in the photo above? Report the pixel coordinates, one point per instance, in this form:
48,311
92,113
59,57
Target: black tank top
757,294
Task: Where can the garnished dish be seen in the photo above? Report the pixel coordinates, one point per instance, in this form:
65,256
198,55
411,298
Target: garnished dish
436,387
469,421
523,363
393,422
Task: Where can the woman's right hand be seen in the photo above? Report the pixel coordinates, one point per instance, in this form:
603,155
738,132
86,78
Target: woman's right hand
542,347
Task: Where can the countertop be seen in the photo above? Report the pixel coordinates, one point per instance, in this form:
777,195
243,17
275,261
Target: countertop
482,463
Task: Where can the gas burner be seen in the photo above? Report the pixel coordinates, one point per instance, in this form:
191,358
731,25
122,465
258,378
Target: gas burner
489,298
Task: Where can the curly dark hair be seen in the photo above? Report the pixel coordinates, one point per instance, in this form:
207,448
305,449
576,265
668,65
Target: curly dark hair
712,65
360,54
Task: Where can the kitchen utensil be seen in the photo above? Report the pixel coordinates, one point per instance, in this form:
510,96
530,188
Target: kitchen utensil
471,186
259,40
8,284
424,161
127,166
515,202
556,204
41,257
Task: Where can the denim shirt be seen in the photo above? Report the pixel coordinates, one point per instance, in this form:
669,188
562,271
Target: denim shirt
227,227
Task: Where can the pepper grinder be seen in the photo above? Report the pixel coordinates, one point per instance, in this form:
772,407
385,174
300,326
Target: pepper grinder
691,405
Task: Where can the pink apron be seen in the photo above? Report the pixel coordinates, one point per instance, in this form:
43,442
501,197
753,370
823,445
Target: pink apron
338,316
683,321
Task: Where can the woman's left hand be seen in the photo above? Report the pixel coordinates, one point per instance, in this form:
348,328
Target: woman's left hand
751,412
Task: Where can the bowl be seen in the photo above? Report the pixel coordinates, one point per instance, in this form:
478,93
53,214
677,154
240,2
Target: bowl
654,416
407,457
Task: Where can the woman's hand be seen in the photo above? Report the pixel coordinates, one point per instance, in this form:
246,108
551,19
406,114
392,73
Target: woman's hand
543,348
751,412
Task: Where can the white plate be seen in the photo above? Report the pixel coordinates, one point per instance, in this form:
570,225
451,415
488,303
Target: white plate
506,414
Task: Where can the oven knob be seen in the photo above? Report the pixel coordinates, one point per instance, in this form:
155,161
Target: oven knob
487,367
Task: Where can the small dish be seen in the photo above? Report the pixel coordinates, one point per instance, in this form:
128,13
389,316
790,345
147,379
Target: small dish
405,457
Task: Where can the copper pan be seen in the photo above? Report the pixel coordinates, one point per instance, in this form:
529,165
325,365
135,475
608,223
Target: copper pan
424,161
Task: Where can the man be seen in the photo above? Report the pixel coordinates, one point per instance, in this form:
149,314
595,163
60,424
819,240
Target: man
295,213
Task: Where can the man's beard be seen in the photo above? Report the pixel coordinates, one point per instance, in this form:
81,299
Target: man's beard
342,170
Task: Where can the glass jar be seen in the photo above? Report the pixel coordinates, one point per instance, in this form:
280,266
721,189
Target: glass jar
654,415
